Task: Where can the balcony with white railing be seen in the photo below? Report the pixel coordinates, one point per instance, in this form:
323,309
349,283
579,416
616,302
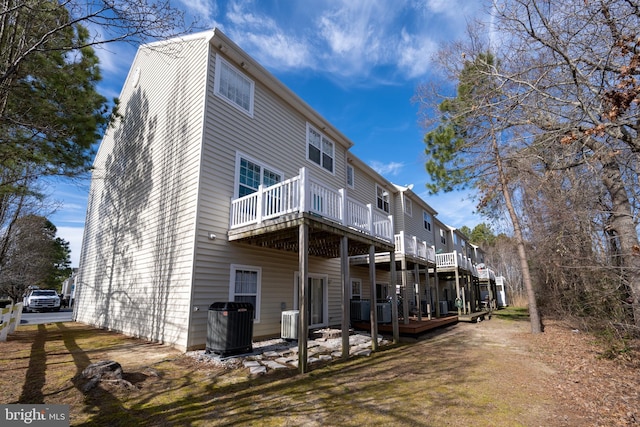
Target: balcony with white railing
302,193
407,244
485,272
447,260
455,259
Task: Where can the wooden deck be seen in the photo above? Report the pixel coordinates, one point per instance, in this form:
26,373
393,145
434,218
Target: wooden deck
414,327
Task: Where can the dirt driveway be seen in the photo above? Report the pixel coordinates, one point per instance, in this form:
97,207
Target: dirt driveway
489,374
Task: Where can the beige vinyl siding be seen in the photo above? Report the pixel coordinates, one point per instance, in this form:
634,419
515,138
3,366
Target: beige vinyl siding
365,188
135,270
437,226
414,225
400,218
274,136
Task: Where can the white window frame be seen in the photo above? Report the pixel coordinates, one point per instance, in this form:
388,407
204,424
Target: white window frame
351,176
234,268
426,220
357,282
382,197
325,296
263,166
323,141
408,206
443,237
237,74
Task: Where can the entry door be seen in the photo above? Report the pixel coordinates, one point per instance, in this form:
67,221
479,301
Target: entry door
317,298
316,301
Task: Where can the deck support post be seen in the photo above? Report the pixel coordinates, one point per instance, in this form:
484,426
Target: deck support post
394,298
303,304
373,310
346,305
405,294
458,289
427,291
416,276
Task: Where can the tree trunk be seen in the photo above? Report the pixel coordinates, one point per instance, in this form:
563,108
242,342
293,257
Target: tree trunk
534,314
623,228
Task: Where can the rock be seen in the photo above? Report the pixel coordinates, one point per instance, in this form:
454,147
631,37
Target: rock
258,370
105,369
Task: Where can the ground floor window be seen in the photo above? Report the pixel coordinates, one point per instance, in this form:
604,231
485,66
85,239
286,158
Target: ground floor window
356,289
245,286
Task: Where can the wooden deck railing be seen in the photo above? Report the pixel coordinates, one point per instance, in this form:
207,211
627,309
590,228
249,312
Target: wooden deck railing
304,194
9,319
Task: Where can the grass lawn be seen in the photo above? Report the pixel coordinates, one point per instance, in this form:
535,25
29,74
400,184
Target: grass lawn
465,374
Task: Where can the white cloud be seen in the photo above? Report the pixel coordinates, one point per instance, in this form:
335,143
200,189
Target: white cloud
342,38
270,44
415,53
202,9
386,169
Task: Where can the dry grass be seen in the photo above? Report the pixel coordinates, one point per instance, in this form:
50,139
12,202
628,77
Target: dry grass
487,374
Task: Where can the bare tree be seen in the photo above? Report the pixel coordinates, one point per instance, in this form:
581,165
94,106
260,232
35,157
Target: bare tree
36,257
561,108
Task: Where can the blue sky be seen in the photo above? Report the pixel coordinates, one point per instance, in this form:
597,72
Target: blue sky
357,62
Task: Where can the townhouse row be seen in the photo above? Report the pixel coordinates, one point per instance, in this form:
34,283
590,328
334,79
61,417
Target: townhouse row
220,184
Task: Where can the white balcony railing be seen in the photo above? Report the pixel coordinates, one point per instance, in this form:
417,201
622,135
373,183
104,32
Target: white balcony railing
485,272
410,245
304,194
447,260
456,259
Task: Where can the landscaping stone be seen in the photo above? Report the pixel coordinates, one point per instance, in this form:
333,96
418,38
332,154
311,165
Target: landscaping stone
258,370
107,369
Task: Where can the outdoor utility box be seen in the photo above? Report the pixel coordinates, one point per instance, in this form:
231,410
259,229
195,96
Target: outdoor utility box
230,328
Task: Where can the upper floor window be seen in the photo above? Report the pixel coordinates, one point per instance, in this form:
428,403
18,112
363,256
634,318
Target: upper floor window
350,176
233,86
408,206
252,174
443,238
455,239
382,197
426,218
320,149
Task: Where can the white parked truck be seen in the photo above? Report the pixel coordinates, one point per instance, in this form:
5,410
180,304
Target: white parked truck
42,300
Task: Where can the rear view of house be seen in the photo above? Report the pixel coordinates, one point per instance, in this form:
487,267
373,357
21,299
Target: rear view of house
219,184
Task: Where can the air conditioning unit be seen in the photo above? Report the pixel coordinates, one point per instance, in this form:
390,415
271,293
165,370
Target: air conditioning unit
384,312
444,308
289,329
360,310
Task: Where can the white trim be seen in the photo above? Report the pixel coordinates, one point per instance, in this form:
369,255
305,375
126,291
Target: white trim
424,214
388,199
359,281
233,268
408,206
236,179
325,296
323,137
216,85
353,176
